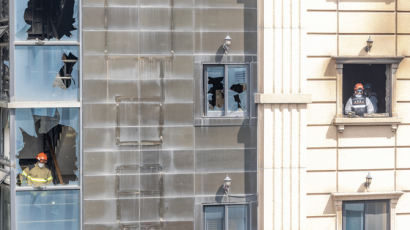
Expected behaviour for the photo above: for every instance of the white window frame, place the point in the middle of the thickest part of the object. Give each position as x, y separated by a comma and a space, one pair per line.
225, 113
392, 64
339, 198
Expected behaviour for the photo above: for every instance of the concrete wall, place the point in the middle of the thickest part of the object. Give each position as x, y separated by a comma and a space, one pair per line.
335, 162
153, 50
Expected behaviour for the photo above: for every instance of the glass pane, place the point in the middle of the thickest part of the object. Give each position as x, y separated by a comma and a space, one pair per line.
377, 215
238, 90
238, 217
353, 216
46, 73
39, 210
54, 132
214, 217
43, 19
215, 91
4, 207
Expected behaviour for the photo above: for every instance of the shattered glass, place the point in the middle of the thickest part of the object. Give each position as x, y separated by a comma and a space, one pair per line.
53, 131
43, 19
215, 90
238, 89
46, 73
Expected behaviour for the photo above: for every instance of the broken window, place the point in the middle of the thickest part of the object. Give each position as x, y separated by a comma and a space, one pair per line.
4, 50
43, 19
377, 88
226, 90
54, 132
46, 73
53, 209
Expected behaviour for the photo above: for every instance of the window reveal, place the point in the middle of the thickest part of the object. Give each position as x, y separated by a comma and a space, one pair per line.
376, 81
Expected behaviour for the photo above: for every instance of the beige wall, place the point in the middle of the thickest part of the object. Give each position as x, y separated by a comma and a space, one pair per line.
340, 161
335, 162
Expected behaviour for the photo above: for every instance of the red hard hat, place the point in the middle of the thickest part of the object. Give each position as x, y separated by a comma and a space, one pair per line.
358, 86
41, 157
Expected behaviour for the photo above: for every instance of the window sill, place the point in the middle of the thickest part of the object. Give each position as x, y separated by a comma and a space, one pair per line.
224, 121
341, 122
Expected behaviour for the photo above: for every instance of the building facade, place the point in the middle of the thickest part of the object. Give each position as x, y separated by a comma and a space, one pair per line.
313, 157
144, 110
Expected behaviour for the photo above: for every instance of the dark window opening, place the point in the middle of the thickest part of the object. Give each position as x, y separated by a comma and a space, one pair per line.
4, 49
64, 77
374, 75
49, 19
58, 142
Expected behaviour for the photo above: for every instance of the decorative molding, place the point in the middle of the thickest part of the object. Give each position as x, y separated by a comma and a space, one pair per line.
338, 199
341, 122
262, 98
368, 59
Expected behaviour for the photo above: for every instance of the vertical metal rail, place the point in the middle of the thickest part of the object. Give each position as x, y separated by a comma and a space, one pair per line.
80, 89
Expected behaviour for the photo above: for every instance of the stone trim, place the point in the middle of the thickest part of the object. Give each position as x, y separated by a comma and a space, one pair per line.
341, 122
269, 98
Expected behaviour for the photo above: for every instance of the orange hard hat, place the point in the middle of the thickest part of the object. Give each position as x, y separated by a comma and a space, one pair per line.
358, 86
41, 157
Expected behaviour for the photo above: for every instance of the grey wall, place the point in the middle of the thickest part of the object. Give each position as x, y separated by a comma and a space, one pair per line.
145, 58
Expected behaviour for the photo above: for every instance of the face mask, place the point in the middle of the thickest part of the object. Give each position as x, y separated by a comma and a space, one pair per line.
41, 165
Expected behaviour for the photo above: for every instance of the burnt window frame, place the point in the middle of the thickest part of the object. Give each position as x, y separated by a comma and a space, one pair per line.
392, 64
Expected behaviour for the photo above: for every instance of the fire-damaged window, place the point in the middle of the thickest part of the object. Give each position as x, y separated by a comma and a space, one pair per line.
46, 73
47, 146
226, 90
4, 50
44, 19
367, 90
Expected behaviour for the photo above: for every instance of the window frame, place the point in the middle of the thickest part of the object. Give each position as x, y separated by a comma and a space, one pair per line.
200, 120
226, 213
392, 197
12, 105
392, 64
364, 202
225, 113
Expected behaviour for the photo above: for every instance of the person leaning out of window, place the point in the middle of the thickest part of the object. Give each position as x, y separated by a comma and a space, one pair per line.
358, 104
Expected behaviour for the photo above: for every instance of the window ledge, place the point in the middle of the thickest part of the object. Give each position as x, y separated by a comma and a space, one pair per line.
224, 121
40, 104
341, 122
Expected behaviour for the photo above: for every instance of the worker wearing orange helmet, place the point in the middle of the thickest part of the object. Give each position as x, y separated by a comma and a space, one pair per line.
39, 175
358, 104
